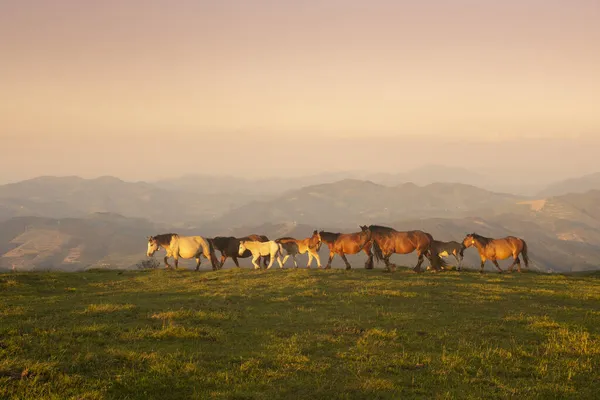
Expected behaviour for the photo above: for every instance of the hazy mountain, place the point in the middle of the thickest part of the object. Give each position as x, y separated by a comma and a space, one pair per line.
425, 175
574, 185
352, 202
60, 197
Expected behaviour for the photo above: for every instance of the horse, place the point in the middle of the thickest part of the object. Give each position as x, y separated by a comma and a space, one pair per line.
348, 243
444, 249
229, 247
497, 249
387, 241
258, 249
182, 247
293, 247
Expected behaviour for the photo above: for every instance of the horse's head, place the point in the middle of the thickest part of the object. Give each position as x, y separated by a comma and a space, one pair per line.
467, 242
153, 246
242, 248
316, 240
364, 230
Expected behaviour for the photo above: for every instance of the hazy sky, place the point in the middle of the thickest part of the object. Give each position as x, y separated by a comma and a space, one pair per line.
148, 89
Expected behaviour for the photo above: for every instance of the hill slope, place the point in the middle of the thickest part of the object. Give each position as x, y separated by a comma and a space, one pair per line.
352, 202
298, 334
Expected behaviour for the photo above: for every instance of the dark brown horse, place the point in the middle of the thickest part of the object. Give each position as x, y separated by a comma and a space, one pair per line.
348, 243
229, 247
387, 241
498, 249
445, 249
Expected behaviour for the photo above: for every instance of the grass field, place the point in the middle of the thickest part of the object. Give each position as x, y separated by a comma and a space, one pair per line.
241, 334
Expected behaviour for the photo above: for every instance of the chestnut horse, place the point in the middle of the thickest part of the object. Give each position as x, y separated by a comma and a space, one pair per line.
387, 241
294, 247
348, 243
498, 249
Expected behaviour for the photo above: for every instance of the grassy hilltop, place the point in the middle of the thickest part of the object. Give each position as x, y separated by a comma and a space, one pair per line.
298, 334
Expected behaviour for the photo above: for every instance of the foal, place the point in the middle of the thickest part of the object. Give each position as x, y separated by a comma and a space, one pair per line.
258, 249
294, 247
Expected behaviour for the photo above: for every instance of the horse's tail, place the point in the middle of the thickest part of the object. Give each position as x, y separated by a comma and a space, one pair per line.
524, 252
377, 250
213, 256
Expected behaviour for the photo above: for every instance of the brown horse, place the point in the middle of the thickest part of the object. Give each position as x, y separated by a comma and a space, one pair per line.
294, 247
387, 241
348, 243
498, 249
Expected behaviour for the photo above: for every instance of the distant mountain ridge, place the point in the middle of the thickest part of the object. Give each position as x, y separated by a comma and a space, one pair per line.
77, 197
575, 185
354, 202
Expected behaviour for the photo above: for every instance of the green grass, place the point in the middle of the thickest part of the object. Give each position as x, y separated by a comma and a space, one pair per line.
241, 334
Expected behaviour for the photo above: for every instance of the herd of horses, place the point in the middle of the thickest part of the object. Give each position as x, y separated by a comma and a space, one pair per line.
376, 241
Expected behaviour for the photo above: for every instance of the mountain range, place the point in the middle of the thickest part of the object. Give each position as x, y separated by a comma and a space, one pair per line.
73, 223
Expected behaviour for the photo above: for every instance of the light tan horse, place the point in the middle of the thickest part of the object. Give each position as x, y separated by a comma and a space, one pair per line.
294, 247
182, 247
349, 243
498, 249
258, 249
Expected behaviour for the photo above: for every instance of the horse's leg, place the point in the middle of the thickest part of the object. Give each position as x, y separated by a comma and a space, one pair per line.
279, 261
331, 255
223, 258
420, 259
389, 267
310, 258
458, 260
295, 261
285, 258
482, 265
265, 260
510, 268
166, 263
176, 261
235, 260
369, 262
316, 256
254, 258
271, 259
497, 265
198, 261
518, 262
348, 266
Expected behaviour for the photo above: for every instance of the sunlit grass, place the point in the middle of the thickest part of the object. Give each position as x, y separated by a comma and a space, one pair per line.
298, 334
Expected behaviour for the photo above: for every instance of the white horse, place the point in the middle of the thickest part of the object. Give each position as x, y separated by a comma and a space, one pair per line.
182, 247
259, 249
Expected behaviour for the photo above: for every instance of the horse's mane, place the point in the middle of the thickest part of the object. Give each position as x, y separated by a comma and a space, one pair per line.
329, 236
164, 238
482, 239
285, 238
381, 229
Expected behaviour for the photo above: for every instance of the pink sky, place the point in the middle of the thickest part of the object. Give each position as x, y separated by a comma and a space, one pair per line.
142, 76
